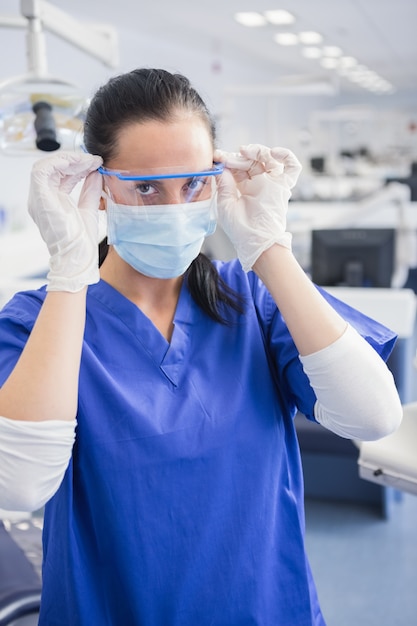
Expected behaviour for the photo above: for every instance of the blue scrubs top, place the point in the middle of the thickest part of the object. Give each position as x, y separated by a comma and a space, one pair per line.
183, 502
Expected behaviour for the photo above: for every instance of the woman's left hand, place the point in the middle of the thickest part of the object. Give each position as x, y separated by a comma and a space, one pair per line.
253, 195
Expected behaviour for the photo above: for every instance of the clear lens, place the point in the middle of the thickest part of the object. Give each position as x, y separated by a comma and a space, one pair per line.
161, 186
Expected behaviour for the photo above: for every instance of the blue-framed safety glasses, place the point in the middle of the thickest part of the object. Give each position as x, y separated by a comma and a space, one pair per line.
157, 186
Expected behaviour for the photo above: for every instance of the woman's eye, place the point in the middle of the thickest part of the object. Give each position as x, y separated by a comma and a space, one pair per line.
145, 189
196, 184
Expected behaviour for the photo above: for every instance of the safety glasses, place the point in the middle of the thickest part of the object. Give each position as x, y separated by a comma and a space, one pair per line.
158, 186
163, 173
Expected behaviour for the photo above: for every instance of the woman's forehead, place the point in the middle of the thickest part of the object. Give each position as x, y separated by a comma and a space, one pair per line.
184, 142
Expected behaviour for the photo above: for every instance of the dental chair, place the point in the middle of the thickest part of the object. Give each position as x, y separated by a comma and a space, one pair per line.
20, 585
392, 461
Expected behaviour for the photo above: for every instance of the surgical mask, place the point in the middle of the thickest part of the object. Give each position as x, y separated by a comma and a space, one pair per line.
160, 241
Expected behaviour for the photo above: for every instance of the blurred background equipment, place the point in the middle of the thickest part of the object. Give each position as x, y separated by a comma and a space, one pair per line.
39, 111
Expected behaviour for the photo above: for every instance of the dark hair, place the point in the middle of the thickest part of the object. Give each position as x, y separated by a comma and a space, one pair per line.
155, 94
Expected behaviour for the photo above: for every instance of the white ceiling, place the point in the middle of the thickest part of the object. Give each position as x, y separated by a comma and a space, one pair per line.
381, 34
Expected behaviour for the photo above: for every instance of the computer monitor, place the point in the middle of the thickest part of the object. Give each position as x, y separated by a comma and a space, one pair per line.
353, 257
410, 180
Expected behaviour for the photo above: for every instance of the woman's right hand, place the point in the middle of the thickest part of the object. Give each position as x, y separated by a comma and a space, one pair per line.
69, 230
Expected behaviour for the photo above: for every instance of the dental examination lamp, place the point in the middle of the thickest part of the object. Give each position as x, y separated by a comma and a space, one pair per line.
39, 111
45, 127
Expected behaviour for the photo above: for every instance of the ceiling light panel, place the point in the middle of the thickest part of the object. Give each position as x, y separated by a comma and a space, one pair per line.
250, 19
329, 63
286, 39
279, 17
332, 51
310, 37
311, 52
348, 62
328, 56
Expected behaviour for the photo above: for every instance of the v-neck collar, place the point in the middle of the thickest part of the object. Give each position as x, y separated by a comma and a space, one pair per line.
168, 356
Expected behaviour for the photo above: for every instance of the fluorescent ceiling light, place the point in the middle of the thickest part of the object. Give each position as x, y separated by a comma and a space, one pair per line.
355, 78
370, 77
311, 52
286, 39
347, 62
250, 18
279, 17
329, 57
332, 51
310, 37
329, 63
384, 84
360, 70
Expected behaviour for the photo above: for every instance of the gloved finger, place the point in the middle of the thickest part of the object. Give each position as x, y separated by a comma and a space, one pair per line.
65, 170
262, 156
226, 188
232, 160
78, 169
253, 159
292, 166
90, 193
241, 167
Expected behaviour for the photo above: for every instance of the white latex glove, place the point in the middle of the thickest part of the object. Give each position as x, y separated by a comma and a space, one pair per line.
69, 231
253, 194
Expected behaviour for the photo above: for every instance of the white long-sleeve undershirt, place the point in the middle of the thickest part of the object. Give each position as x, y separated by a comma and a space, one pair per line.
356, 398
356, 393
33, 460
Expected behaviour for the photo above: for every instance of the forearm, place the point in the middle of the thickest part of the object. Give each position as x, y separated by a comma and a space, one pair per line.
44, 383
312, 322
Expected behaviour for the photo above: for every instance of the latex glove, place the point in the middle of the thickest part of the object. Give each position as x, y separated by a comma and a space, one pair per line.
69, 231
253, 194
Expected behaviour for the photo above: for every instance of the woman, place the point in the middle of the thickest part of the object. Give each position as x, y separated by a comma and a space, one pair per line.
150, 405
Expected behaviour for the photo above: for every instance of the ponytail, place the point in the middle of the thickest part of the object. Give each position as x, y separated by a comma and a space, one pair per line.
210, 291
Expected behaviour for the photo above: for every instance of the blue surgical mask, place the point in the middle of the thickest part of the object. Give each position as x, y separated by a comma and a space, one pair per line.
160, 241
